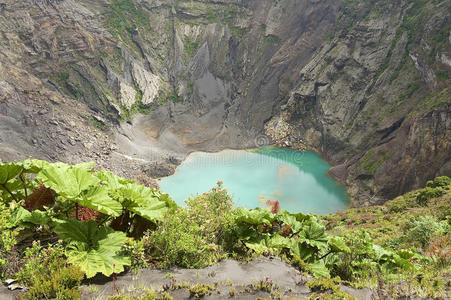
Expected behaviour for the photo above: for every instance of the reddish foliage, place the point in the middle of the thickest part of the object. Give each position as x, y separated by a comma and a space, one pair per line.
40, 197
286, 231
440, 247
86, 214
273, 205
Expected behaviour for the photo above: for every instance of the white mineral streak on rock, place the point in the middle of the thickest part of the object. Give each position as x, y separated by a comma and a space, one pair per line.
128, 95
147, 82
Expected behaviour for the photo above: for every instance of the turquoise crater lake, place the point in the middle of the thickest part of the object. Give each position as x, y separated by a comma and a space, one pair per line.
299, 180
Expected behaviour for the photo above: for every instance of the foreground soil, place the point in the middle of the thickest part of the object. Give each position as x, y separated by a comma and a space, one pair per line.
231, 279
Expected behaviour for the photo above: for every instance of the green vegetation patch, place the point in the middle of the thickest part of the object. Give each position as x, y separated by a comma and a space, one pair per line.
434, 101
191, 46
123, 19
416, 225
372, 160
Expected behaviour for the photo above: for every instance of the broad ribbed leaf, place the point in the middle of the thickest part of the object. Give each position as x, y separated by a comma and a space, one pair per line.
72, 230
23, 217
17, 216
259, 245
293, 220
67, 181
79, 185
314, 234
254, 216
14, 186
142, 201
97, 198
337, 244
94, 250
9, 172
38, 217
111, 180
34, 166
305, 252
93, 261
381, 253
153, 212
279, 242
132, 195
318, 269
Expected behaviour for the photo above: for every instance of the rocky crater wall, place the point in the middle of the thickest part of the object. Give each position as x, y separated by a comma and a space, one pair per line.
364, 83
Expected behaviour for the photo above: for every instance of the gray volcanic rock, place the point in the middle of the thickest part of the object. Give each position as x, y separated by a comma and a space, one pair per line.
365, 84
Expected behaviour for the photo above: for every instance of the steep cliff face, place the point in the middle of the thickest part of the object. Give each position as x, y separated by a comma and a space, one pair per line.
365, 83
375, 98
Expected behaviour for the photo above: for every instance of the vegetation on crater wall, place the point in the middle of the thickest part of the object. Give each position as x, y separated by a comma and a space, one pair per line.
415, 15
124, 18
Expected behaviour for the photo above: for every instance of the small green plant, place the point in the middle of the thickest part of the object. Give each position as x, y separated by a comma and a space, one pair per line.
166, 296
191, 46
327, 289
179, 241
201, 290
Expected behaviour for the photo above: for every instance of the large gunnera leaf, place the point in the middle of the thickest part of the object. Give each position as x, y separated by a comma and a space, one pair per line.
79, 185
318, 269
111, 180
23, 217
314, 234
146, 202
255, 216
9, 181
94, 250
337, 244
97, 198
9, 172
67, 181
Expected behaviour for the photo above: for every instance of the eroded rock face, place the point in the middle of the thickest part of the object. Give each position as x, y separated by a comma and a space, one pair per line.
362, 84
370, 101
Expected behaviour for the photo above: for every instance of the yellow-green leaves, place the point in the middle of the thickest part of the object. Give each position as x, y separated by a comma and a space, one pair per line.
93, 249
142, 201
78, 184
67, 181
9, 172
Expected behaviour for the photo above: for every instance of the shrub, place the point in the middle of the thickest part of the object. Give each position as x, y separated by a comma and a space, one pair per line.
428, 193
424, 229
398, 205
434, 188
7, 239
440, 249
442, 181
212, 212
135, 250
358, 262
327, 289
192, 237
47, 274
180, 241
148, 295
